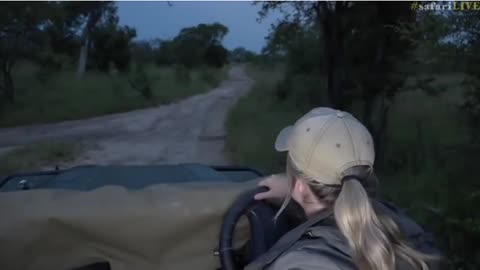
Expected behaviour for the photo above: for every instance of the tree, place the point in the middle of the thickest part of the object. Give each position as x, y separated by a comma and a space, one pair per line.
463, 32
65, 22
19, 27
201, 44
242, 55
216, 56
301, 46
112, 43
143, 51
203, 34
165, 53
90, 14
363, 52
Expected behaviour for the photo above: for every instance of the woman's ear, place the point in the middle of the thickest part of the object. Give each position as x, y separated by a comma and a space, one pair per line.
299, 188
303, 191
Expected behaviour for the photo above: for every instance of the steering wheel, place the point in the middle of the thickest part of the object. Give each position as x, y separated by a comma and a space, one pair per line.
263, 230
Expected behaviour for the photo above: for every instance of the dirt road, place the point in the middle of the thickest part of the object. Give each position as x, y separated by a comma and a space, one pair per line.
191, 130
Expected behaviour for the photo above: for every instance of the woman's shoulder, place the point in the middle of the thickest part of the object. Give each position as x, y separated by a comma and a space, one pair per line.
414, 233
406, 224
310, 258
321, 248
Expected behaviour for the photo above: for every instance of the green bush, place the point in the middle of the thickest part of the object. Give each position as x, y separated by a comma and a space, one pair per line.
141, 83
182, 74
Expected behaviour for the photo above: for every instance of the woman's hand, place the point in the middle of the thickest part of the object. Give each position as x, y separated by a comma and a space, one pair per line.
277, 185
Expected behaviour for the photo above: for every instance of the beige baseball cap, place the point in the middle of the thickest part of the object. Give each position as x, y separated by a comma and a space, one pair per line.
325, 142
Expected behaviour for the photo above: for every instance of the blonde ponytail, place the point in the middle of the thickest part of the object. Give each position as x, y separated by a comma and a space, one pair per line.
359, 224
375, 240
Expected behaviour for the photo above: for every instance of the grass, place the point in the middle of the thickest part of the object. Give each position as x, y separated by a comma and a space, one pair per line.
37, 156
50, 96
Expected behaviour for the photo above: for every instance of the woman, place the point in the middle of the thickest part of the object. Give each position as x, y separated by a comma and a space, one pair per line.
330, 175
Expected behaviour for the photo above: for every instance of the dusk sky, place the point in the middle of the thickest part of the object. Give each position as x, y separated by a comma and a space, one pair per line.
158, 20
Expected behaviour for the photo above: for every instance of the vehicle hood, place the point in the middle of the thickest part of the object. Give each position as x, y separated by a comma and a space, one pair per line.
161, 226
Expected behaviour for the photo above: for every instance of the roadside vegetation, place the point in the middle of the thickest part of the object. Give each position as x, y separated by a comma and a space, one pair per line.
53, 96
420, 102
71, 60
39, 156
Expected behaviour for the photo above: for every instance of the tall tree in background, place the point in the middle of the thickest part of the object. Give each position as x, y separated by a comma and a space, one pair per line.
112, 44
193, 43
65, 22
90, 15
463, 28
195, 46
364, 56
241, 55
300, 45
19, 27
49, 33
378, 66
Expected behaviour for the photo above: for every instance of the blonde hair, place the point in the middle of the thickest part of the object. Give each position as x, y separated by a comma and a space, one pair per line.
375, 239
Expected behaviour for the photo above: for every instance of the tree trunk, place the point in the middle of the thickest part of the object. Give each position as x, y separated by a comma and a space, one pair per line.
335, 71
334, 35
374, 101
380, 134
368, 105
82, 61
420, 148
92, 21
8, 85
331, 51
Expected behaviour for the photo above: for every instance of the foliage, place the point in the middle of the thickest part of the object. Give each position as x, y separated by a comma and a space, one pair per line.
356, 47
143, 51
112, 44
301, 46
165, 54
242, 55
463, 26
471, 107
52, 33
195, 46
65, 22
454, 46
140, 82
19, 24
216, 56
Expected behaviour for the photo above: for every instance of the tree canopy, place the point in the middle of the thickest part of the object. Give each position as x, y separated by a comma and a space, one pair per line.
195, 46
52, 32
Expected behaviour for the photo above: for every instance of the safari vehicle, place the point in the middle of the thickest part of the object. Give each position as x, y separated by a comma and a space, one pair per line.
135, 217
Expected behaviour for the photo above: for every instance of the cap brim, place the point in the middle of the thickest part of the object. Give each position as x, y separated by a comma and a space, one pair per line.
281, 143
